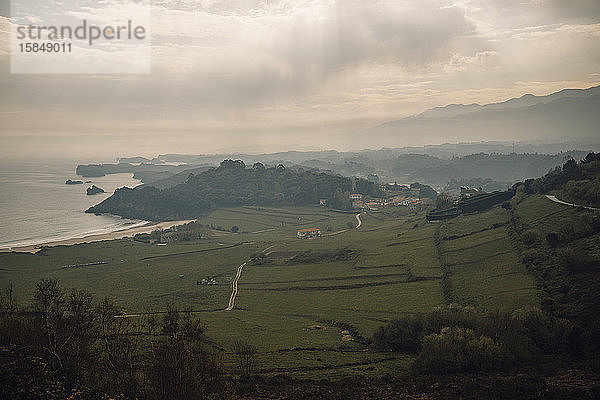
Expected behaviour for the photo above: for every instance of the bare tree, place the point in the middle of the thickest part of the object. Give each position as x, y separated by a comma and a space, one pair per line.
246, 357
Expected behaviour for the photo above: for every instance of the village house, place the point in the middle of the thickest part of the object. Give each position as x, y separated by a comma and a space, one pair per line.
373, 205
358, 204
308, 233
355, 196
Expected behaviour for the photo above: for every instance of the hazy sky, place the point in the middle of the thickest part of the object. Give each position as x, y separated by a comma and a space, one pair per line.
263, 75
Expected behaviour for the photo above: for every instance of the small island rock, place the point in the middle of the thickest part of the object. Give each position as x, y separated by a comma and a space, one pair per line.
70, 182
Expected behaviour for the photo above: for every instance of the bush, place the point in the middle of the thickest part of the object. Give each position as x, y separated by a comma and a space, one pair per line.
457, 350
530, 237
553, 239
529, 256
456, 339
549, 335
406, 334
400, 335
575, 261
451, 315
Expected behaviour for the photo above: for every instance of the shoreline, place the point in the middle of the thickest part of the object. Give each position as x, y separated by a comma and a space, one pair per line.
98, 237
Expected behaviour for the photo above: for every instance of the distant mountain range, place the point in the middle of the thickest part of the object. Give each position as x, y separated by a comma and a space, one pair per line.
566, 123
564, 115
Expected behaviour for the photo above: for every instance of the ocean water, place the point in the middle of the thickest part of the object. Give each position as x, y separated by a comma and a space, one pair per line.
37, 207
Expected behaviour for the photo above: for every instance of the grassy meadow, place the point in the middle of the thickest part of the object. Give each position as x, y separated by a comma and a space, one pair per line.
294, 306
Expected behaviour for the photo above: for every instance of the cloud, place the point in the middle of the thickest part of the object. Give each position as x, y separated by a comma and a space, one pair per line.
316, 65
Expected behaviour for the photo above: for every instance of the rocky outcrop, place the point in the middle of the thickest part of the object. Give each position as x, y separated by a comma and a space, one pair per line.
94, 190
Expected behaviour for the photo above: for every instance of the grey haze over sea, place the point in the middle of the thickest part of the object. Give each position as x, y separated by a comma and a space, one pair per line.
37, 207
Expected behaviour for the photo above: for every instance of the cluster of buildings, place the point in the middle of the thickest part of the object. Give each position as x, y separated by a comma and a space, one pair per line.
206, 281
308, 233
396, 196
466, 191
408, 199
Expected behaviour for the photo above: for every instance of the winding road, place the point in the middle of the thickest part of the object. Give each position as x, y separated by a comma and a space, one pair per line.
359, 221
346, 230
554, 199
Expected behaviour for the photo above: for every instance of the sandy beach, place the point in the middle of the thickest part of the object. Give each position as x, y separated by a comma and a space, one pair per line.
120, 234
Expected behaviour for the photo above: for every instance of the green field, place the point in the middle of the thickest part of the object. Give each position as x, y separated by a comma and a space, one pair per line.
294, 311
484, 265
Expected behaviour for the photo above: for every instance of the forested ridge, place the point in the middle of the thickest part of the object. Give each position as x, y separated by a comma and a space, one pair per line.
232, 184
578, 182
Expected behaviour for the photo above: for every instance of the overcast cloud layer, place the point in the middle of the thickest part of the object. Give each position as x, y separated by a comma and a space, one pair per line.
278, 74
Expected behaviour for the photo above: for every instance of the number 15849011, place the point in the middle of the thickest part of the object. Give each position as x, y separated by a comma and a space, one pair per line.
45, 47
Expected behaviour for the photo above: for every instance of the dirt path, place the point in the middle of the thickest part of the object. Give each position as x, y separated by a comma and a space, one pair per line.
554, 199
234, 285
263, 230
346, 230
359, 221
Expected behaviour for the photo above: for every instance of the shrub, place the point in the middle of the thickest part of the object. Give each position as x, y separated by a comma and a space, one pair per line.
451, 315
530, 236
517, 198
457, 350
553, 239
575, 261
529, 256
400, 335
550, 335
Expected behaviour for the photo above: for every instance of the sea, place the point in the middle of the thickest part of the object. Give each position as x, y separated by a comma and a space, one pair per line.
37, 207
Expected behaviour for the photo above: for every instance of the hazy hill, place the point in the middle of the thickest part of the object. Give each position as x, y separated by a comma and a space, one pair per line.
498, 167
524, 101
568, 113
230, 185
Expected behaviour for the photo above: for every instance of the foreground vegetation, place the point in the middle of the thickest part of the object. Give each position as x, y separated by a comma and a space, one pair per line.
71, 346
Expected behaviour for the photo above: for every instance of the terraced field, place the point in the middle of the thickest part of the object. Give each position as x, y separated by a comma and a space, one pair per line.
295, 305
484, 266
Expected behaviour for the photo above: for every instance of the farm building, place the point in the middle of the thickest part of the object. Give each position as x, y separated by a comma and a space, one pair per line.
357, 204
308, 233
373, 205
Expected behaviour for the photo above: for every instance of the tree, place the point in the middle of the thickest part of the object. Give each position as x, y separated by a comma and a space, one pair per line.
67, 327
246, 357
180, 372
171, 321
119, 350
442, 201
341, 200
235, 228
